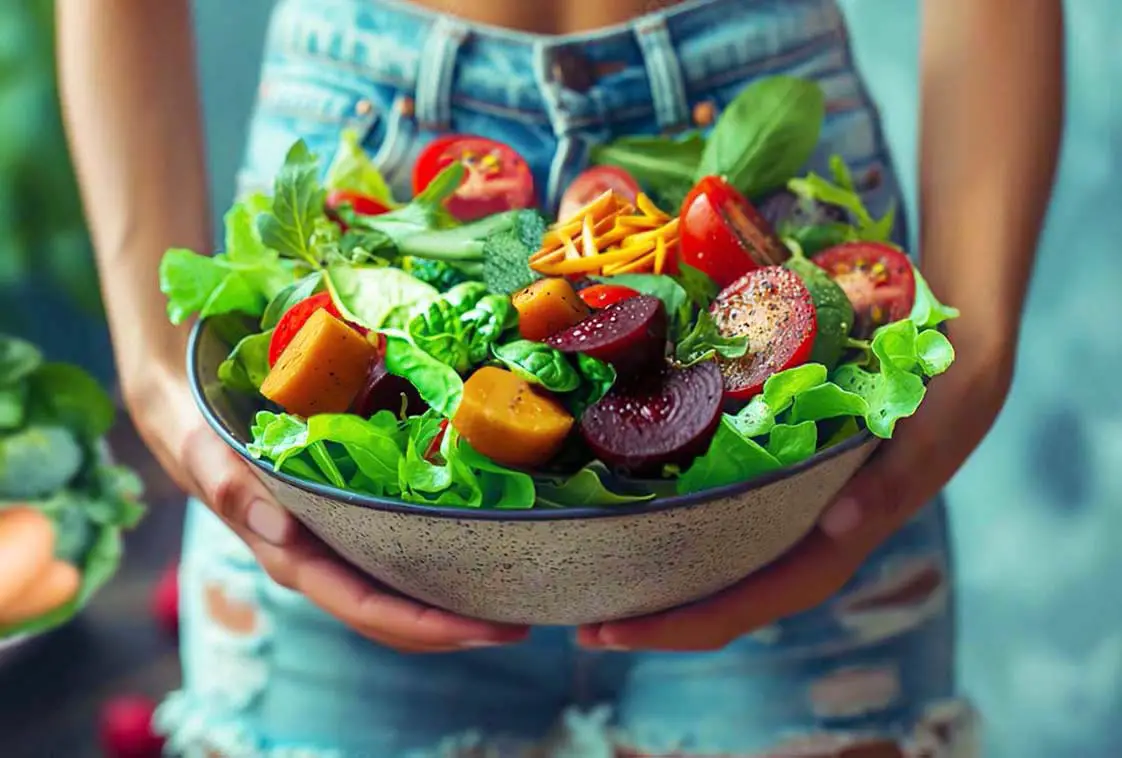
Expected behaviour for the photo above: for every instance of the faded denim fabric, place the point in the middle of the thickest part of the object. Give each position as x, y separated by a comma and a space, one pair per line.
266, 674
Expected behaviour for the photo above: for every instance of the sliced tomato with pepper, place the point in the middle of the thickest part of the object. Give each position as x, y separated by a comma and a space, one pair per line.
772, 308
497, 178
723, 235
878, 279
600, 296
592, 184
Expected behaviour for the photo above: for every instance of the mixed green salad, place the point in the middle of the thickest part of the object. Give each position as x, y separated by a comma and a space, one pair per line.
54, 467
698, 314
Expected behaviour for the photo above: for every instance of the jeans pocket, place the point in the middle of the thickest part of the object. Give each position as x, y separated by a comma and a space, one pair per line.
316, 104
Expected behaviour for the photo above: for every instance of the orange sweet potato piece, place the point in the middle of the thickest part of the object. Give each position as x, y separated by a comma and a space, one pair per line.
547, 307
506, 419
322, 369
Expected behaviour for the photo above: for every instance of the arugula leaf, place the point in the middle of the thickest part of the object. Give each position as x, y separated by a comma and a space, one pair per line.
928, 312
425, 213
248, 363
298, 200
705, 342
352, 169
765, 135
539, 364
367, 295
658, 162
585, 489
843, 194
731, 458
437, 383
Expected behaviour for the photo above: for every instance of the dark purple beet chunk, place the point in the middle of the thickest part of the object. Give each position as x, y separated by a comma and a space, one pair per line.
630, 335
383, 392
670, 418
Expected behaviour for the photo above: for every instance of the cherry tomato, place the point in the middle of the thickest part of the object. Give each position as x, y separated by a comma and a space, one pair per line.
593, 183
878, 279
772, 308
294, 318
433, 450
363, 205
600, 296
497, 178
723, 235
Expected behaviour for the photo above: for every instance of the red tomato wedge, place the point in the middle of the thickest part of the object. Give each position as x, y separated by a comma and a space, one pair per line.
772, 308
592, 184
878, 279
723, 235
600, 296
497, 178
294, 318
361, 204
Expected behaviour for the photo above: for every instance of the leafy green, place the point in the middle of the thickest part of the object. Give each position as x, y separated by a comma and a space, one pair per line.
294, 293
765, 135
826, 401
585, 489
833, 310
597, 378
437, 383
18, 359
928, 312
538, 363
842, 193
67, 396
441, 275
705, 342
352, 169
731, 458
248, 363
934, 352
367, 295
781, 389
459, 327
699, 288
297, 205
793, 443
660, 163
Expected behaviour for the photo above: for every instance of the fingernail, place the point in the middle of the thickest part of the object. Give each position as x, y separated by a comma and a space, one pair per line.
841, 518
268, 521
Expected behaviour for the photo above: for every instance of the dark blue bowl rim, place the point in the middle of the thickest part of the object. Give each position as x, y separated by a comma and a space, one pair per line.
493, 514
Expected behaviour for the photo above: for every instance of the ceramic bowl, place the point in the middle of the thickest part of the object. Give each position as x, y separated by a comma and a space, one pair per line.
548, 566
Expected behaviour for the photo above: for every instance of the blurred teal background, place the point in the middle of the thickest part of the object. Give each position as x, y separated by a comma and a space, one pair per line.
1037, 513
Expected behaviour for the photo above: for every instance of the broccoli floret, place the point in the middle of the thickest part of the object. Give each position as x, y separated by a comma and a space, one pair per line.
443, 276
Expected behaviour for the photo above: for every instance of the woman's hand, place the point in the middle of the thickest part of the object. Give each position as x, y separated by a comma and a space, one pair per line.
905, 474
203, 465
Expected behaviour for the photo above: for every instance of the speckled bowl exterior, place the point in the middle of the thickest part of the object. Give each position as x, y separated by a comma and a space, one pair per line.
547, 566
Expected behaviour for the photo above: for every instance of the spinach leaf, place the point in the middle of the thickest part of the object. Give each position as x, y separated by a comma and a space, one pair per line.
540, 364
586, 489
657, 162
597, 379
298, 200
705, 342
294, 293
731, 457
437, 383
248, 363
367, 295
460, 326
65, 395
352, 169
766, 134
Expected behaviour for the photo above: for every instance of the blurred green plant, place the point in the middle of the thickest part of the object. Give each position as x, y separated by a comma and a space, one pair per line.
42, 230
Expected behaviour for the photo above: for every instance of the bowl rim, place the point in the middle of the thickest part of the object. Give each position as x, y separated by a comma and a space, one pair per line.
229, 436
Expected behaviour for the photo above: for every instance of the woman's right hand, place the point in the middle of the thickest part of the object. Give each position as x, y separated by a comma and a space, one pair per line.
168, 420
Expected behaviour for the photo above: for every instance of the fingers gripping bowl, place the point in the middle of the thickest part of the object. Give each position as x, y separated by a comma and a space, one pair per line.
557, 423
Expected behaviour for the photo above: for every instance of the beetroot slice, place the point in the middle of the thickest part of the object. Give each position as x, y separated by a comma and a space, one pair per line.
383, 391
669, 418
774, 309
630, 335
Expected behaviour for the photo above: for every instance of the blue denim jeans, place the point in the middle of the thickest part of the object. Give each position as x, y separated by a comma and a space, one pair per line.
266, 674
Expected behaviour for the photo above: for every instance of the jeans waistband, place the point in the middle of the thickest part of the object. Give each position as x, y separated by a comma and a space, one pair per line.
649, 66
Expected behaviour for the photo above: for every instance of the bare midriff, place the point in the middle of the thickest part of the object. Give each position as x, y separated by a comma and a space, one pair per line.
548, 16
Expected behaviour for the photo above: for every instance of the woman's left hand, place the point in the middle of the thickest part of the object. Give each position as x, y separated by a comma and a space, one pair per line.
905, 474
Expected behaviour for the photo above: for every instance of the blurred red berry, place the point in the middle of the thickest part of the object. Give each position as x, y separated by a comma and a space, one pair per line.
126, 729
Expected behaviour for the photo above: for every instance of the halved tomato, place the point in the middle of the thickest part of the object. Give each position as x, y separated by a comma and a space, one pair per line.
600, 296
878, 279
294, 318
497, 178
772, 308
723, 235
592, 184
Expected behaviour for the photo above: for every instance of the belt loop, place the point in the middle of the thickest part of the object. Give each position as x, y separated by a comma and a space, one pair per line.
668, 85
436, 71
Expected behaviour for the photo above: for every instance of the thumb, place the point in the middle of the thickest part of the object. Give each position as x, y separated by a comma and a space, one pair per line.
228, 486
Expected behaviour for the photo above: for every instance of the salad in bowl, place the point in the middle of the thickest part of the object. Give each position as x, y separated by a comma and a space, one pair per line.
698, 322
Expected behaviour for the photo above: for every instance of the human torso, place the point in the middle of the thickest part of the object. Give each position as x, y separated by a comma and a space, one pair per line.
547, 16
